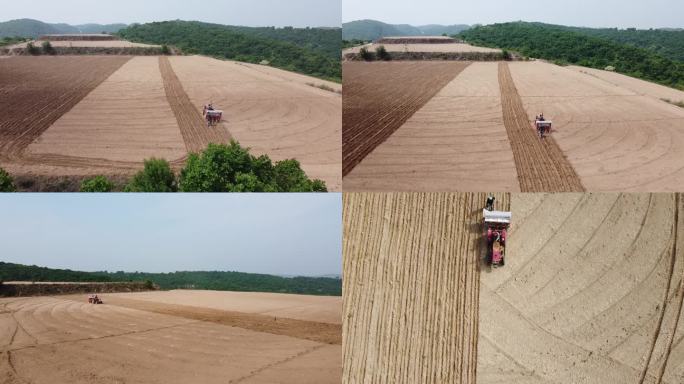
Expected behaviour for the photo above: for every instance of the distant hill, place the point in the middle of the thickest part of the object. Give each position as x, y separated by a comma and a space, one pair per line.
212, 280
564, 45
373, 29
308, 51
34, 28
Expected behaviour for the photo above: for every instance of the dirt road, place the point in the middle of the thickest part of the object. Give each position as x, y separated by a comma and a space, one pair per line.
411, 286
541, 165
379, 97
60, 340
591, 292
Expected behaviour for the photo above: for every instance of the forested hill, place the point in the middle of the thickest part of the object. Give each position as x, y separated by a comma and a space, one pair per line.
373, 29
34, 28
307, 51
665, 42
565, 46
220, 281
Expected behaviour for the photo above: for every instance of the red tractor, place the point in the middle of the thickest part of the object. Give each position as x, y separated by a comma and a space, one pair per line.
496, 224
211, 115
94, 299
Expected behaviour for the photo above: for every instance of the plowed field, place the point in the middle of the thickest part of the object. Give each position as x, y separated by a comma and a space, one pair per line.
411, 286
36, 91
591, 292
380, 97
64, 340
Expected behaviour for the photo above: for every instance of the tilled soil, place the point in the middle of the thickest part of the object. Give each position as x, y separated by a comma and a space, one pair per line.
66, 340
36, 91
193, 127
541, 165
591, 292
411, 286
379, 97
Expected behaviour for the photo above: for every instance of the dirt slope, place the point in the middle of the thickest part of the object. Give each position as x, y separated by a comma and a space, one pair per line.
591, 292
411, 282
269, 112
540, 162
615, 139
50, 340
456, 141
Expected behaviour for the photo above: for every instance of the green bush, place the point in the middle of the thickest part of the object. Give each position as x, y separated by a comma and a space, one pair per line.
6, 182
47, 48
165, 49
382, 53
506, 55
366, 54
97, 184
231, 168
157, 176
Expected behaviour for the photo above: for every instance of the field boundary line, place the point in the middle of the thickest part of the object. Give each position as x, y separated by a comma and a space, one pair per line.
277, 363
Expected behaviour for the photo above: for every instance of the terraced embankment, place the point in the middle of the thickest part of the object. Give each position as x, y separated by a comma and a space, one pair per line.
60, 340
541, 165
194, 129
411, 286
591, 292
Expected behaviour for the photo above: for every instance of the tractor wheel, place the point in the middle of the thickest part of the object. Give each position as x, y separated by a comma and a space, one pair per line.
503, 261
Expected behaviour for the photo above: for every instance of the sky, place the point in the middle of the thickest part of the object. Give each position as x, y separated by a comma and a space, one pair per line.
586, 13
253, 13
281, 234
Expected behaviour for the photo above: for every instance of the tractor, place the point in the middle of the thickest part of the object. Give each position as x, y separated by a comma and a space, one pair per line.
211, 115
496, 224
543, 127
94, 299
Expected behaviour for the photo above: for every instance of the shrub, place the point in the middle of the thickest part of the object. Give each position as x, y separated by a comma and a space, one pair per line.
149, 284
157, 176
47, 48
6, 182
97, 184
165, 49
506, 55
231, 168
32, 49
382, 53
365, 54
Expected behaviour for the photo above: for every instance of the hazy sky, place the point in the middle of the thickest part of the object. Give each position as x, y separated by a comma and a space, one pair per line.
297, 13
285, 234
589, 13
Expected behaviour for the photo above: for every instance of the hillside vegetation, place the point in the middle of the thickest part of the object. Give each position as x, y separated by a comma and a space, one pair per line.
667, 43
564, 46
373, 29
34, 28
235, 43
216, 280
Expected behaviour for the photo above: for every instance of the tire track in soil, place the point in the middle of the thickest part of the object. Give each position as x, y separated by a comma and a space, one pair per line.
540, 163
412, 266
192, 125
277, 363
380, 97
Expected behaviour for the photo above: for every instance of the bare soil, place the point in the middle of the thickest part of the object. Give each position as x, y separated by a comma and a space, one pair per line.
411, 286
380, 97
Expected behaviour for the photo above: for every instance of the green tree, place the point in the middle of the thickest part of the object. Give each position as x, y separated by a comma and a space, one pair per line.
165, 49
157, 176
382, 53
231, 168
97, 184
6, 182
366, 54
32, 49
47, 48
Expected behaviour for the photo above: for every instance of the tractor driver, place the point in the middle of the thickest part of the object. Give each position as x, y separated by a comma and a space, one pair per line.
490, 203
